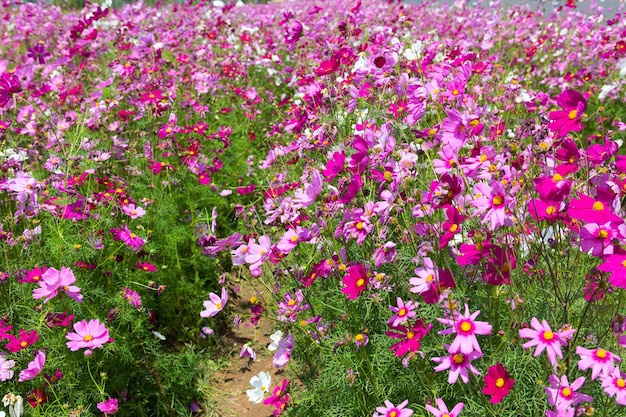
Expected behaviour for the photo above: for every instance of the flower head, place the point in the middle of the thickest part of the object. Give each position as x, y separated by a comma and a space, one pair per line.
544, 338
261, 384
614, 384
34, 367
108, 407
498, 383
215, 304
599, 360
355, 281
442, 411
390, 410
466, 329
90, 335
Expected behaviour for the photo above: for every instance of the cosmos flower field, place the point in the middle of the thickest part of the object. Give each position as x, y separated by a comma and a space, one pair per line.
426, 199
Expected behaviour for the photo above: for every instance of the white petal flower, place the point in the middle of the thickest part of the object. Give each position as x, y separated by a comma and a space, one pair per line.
276, 337
261, 384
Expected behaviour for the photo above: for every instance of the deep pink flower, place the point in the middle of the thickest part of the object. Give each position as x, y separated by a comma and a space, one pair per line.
598, 238
34, 367
411, 336
129, 238
574, 105
108, 407
466, 329
90, 335
355, 281
498, 383
451, 226
25, 339
493, 203
145, 266
544, 338
403, 312
590, 210
616, 265
9, 85
334, 166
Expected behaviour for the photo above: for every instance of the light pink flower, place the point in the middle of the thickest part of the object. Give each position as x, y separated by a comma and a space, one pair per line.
458, 364
52, 281
215, 304
545, 339
34, 367
90, 335
615, 384
599, 360
5, 367
390, 410
442, 411
133, 211
562, 394
466, 330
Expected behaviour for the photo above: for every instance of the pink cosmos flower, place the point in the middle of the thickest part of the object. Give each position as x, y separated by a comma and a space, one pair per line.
614, 384
562, 394
574, 105
25, 339
133, 211
285, 349
616, 265
34, 367
493, 203
442, 411
466, 330
451, 226
458, 364
215, 304
129, 238
52, 281
90, 335
390, 410
545, 339
598, 238
108, 407
403, 312
599, 360
5, 367
355, 281
411, 336
258, 253
334, 166
384, 254
590, 210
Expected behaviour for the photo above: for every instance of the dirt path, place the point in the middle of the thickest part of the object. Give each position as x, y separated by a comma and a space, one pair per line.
229, 386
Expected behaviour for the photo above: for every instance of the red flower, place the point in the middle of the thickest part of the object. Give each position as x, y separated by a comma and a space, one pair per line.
36, 397
411, 336
23, 341
498, 383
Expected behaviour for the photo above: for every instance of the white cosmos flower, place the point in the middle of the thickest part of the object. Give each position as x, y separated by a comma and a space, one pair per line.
276, 337
261, 384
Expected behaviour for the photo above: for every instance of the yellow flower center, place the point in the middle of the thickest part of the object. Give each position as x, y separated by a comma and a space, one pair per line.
294, 238
359, 337
388, 176
498, 200
620, 382
566, 392
603, 234
88, 338
572, 114
23, 344
429, 278
359, 226
548, 335
218, 306
601, 353
483, 158
500, 382
455, 92
360, 283
291, 303
466, 326
410, 335
402, 312
598, 206
557, 177
458, 358
550, 210
393, 414
454, 228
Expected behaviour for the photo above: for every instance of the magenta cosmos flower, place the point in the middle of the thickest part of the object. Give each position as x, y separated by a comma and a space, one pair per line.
109, 406
90, 335
411, 336
562, 394
458, 364
466, 330
442, 411
390, 410
215, 304
355, 282
544, 338
574, 105
599, 360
